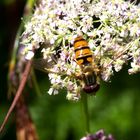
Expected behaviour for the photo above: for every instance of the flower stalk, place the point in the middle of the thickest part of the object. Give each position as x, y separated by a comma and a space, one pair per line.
86, 112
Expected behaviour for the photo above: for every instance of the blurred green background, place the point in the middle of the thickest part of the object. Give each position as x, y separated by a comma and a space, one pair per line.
116, 108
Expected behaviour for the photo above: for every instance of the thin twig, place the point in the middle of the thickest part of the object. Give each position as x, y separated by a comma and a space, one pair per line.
19, 92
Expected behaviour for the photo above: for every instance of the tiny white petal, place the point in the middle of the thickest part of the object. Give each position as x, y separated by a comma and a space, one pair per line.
50, 91
29, 55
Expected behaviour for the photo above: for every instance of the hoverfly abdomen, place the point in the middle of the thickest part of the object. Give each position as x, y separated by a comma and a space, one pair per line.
84, 59
83, 53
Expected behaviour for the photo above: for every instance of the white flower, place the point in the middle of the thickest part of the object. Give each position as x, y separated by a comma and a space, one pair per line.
54, 78
29, 55
73, 96
111, 28
52, 91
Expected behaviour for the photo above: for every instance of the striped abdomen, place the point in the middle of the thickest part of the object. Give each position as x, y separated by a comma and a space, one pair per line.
82, 51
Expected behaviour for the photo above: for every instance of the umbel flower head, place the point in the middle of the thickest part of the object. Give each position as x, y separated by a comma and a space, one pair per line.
111, 28
99, 135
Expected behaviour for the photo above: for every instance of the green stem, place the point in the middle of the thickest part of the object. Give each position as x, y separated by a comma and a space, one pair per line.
35, 84
86, 111
27, 12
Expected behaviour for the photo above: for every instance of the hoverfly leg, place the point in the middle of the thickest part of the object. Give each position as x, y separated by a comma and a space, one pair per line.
54, 58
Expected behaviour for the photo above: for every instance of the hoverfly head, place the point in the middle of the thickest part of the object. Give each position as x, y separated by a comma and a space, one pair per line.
91, 89
90, 81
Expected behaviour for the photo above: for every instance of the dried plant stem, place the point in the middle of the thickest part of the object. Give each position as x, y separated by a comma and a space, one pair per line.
19, 92
12, 68
25, 128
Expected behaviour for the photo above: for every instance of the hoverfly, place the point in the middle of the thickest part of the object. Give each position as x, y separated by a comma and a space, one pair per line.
85, 60
88, 75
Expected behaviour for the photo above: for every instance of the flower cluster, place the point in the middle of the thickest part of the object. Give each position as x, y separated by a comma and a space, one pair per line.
98, 136
111, 28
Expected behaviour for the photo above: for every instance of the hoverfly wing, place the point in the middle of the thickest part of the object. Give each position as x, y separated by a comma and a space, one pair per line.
43, 64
